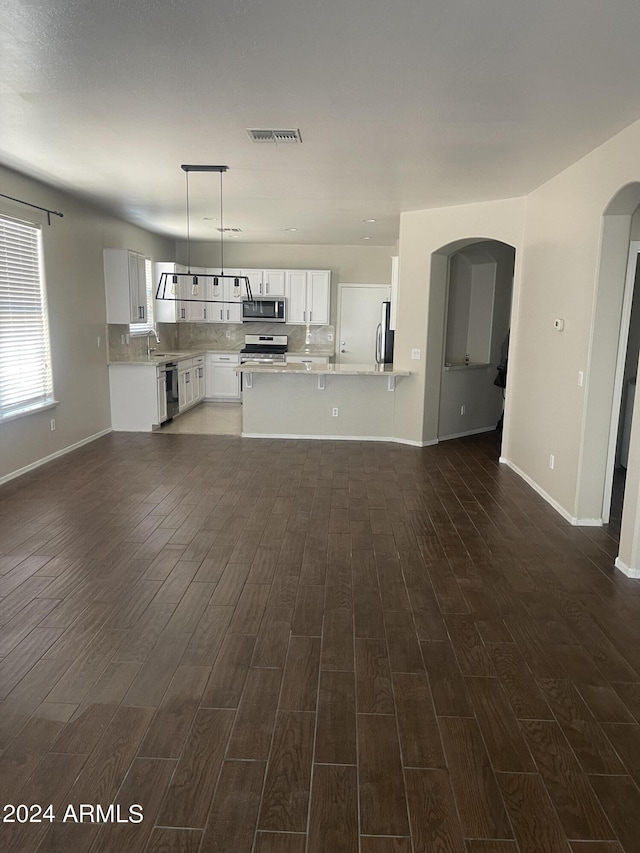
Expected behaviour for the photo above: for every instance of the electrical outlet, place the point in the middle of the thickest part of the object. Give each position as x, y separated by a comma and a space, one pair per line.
463, 409
98, 341
123, 339
552, 460
228, 333
127, 338
53, 424
334, 413
330, 337
415, 354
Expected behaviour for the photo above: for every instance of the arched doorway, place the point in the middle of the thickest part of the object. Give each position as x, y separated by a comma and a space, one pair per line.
605, 377
470, 303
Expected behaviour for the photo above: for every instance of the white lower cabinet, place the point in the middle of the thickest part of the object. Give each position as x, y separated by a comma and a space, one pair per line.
137, 404
199, 382
162, 395
222, 381
185, 384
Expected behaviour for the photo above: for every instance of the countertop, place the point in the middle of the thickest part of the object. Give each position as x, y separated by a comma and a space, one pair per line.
326, 369
165, 358
177, 355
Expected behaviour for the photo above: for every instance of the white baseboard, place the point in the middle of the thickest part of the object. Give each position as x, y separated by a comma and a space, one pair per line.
52, 456
576, 522
622, 567
338, 438
317, 437
465, 434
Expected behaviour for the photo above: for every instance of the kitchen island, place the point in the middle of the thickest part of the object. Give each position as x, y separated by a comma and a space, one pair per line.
352, 401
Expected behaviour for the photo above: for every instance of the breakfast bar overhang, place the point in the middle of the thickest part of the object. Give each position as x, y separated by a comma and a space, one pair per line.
354, 401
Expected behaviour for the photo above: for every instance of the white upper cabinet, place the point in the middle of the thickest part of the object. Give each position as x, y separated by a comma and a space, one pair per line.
125, 286
170, 309
227, 294
308, 293
266, 282
194, 290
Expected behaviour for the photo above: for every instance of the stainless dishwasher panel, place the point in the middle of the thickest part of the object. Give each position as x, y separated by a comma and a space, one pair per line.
173, 400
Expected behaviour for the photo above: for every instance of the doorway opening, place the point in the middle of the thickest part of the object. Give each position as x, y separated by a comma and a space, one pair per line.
477, 319
624, 393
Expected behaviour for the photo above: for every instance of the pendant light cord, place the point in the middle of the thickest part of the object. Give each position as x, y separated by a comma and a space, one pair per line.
221, 231
188, 227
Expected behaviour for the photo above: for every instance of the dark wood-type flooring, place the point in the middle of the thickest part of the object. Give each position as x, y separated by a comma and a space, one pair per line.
312, 647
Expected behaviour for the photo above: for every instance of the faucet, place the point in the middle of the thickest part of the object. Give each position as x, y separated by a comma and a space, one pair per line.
155, 334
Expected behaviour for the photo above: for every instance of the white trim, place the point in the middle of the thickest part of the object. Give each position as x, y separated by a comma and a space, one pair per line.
52, 456
623, 340
622, 567
337, 438
576, 522
465, 434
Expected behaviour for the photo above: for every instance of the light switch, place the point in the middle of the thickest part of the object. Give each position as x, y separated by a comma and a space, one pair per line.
558, 324
415, 354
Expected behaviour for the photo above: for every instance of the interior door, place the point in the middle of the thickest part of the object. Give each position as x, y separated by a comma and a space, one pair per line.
359, 311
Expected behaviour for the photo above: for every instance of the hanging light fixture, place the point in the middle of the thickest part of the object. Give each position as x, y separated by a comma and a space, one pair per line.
238, 280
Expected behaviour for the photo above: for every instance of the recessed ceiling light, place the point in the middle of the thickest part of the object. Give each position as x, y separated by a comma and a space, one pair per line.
369, 220
290, 229
210, 218
365, 238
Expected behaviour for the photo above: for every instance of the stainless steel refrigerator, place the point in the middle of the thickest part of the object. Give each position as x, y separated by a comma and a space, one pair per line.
384, 336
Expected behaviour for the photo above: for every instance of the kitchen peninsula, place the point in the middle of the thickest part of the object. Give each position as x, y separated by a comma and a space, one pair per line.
352, 401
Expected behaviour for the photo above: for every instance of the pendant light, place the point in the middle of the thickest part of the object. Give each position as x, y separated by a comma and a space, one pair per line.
238, 280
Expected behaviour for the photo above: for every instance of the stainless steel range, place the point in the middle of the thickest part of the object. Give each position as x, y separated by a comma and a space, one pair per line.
264, 349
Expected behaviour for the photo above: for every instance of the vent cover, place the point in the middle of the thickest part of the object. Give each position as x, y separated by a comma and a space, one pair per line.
230, 230
275, 136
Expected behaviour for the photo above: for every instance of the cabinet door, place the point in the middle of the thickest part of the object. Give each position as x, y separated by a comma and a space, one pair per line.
162, 398
225, 383
141, 284
182, 390
233, 295
166, 310
273, 282
134, 295
196, 312
200, 382
255, 281
318, 285
296, 293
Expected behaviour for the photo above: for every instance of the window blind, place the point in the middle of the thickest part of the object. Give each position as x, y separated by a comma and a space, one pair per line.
25, 363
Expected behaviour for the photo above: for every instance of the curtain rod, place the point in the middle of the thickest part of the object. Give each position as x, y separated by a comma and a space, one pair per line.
37, 207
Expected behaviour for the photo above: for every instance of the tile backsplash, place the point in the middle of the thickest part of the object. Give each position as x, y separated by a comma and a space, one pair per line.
216, 336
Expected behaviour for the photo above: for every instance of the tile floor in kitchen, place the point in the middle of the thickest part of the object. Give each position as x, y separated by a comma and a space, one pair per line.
207, 419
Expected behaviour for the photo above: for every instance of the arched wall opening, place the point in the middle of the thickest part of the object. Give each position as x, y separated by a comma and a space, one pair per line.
608, 344
464, 405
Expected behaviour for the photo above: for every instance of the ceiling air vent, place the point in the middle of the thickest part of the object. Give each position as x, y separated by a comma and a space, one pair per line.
275, 136
230, 230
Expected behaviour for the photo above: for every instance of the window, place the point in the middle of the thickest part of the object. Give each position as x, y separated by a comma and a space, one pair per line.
143, 328
25, 355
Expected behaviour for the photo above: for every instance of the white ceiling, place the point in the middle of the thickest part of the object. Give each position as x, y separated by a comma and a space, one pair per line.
402, 105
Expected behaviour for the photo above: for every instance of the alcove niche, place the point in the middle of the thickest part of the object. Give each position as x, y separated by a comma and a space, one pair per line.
470, 307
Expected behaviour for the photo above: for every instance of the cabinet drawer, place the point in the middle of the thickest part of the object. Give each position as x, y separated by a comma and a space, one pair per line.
224, 358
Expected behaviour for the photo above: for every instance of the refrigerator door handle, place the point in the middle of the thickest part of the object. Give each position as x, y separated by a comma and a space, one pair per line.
378, 343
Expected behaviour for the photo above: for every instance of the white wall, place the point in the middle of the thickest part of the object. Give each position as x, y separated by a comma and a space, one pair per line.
570, 260
72, 248
427, 238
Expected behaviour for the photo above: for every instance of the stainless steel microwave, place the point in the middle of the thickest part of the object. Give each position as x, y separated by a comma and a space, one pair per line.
264, 310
